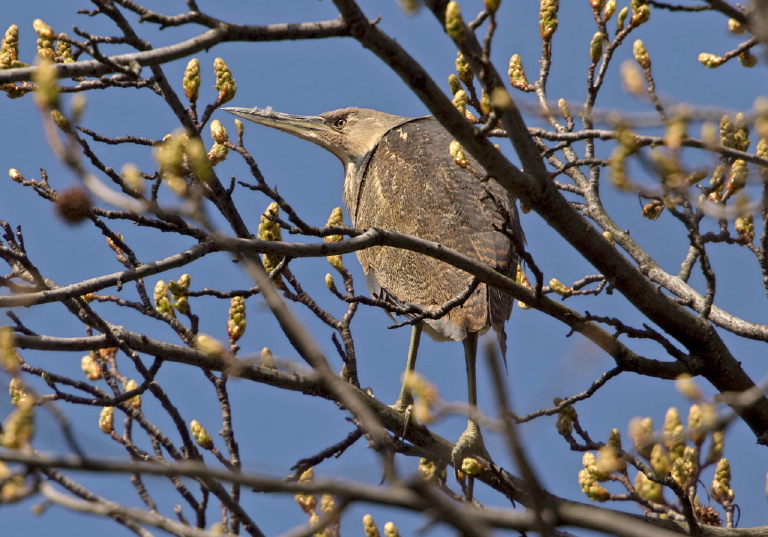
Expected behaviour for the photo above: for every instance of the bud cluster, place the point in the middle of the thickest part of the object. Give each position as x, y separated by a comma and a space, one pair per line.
675, 452
19, 427
308, 503
454, 25
225, 84
236, 320
335, 219
548, 18
269, 230
517, 73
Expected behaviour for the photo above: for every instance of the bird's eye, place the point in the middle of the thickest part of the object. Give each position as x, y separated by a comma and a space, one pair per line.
339, 123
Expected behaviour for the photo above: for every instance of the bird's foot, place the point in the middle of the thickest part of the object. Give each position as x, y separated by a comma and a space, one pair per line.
470, 445
404, 405
464, 456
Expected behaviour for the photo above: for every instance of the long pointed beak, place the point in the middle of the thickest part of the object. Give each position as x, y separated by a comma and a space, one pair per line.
309, 128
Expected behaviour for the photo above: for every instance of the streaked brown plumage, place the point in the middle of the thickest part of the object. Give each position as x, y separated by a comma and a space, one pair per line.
400, 176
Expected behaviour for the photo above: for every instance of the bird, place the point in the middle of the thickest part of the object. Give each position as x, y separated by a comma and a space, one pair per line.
401, 176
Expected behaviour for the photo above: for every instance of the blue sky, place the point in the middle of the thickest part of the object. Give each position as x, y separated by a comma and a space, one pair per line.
275, 429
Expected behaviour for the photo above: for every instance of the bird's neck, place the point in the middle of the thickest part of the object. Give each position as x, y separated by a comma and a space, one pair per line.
354, 182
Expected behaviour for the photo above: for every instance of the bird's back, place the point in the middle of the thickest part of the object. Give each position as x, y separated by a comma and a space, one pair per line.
412, 185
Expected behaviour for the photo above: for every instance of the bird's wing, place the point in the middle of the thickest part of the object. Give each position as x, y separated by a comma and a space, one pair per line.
412, 185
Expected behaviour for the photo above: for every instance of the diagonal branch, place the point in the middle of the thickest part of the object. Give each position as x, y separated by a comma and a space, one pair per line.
535, 188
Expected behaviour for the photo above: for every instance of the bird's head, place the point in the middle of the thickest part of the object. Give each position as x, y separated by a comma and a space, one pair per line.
349, 133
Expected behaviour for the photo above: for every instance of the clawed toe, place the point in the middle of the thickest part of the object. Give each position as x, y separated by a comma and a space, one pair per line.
470, 444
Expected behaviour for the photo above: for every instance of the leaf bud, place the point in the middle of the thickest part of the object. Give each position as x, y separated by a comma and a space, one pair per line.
737, 179
648, 489
621, 19
453, 83
471, 466
652, 210
716, 445
90, 367
225, 84
236, 320
548, 18
191, 81
209, 345
200, 435
596, 47
107, 419
745, 227
673, 433
463, 69
268, 359
747, 59
591, 488
454, 25
641, 433
390, 530
610, 9
641, 54
711, 61
735, 27
162, 299
369, 527
517, 73
134, 401
721, 484
688, 387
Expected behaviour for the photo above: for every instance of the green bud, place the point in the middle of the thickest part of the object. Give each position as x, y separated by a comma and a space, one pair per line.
471, 466
463, 69
200, 435
747, 59
621, 19
517, 73
641, 54
209, 345
454, 25
268, 359
107, 419
191, 81
648, 489
610, 9
721, 484
134, 401
641, 433
225, 84
548, 18
711, 61
453, 83
596, 47
369, 527
236, 320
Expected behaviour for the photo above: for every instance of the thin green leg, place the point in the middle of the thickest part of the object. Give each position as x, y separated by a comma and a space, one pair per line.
470, 357
471, 440
406, 399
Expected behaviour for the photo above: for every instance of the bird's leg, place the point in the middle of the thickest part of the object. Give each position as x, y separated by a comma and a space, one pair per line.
406, 398
470, 442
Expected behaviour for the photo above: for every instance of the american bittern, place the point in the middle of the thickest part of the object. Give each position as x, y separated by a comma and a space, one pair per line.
400, 176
